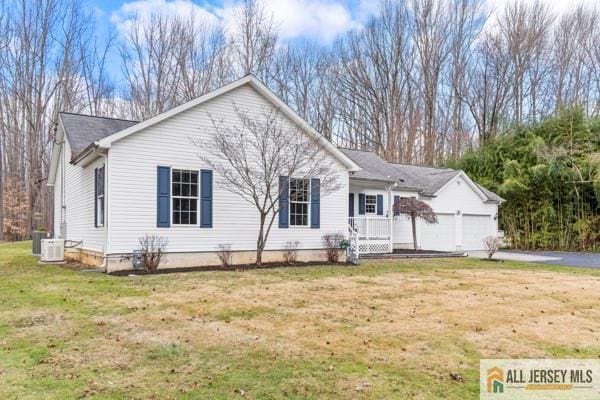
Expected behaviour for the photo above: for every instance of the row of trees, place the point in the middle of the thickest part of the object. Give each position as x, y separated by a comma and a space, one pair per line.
423, 81
549, 174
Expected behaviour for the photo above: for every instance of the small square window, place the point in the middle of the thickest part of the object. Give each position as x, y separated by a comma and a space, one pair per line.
370, 204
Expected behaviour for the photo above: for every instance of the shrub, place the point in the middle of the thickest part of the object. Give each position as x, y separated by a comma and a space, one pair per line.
492, 245
225, 254
332, 243
290, 253
152, 249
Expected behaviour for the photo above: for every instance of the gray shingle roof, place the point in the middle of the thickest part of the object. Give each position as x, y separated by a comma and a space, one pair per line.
490, 195
83, 130
426, 179
373, 167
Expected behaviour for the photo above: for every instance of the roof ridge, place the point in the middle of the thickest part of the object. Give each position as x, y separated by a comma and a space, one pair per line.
364, 151
398, 162
98, 116
422, 166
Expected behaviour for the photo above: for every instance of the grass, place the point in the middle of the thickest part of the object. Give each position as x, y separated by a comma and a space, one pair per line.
379, 330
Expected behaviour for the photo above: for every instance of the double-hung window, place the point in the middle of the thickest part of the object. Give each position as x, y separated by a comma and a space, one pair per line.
184, 197
99, 196
370, 204
299, 202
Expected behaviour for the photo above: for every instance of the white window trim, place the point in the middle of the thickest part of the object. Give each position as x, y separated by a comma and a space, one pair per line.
307, 202
375, 209
184, 197
100, 213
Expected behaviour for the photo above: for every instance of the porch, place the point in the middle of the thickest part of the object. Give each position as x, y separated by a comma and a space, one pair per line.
370, 235
373, 229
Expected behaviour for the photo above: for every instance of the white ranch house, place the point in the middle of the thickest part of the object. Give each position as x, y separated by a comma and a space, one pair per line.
117, 180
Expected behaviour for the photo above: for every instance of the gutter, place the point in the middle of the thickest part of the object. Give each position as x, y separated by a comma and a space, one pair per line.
91, 148
106, 213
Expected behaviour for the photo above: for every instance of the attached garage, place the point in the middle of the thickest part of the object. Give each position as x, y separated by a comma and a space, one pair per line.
440, 236
475, 228
467, 212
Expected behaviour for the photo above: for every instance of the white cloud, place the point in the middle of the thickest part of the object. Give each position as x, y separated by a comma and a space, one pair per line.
143, 9
315, 19
322, 20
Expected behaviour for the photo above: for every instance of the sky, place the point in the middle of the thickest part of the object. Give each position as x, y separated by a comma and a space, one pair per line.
319, 20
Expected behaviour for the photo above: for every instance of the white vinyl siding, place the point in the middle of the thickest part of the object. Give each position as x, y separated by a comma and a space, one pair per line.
133, 161
79, 203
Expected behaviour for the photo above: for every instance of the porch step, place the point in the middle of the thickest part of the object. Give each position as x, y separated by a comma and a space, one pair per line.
388, 256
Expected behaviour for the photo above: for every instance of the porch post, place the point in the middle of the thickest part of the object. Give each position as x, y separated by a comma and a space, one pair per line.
391, 216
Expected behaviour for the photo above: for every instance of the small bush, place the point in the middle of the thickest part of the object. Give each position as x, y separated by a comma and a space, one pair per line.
152, 249
492, 245
225, 254
332, 243
290, 253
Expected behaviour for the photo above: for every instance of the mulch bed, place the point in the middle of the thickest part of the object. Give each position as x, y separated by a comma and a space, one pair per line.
241, 267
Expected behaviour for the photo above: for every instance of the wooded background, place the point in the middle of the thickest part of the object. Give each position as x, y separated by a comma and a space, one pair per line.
424, 81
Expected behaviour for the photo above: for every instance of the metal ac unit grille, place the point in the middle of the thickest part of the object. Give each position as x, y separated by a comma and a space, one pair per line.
53, 250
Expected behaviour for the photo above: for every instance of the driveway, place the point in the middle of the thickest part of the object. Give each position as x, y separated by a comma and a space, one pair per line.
584, 260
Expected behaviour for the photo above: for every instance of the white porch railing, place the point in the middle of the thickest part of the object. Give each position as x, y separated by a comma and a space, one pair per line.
371, 227
373, 234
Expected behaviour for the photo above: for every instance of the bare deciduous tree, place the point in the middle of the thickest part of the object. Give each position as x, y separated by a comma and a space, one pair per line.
250, 156
149, 65
254, 39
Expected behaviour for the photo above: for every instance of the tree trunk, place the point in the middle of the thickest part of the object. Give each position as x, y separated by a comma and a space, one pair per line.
258, 256
413, 220
260, 242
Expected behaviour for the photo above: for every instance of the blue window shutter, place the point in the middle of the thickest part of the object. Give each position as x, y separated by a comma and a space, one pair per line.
96, 197
284, 189
379, 204
361, 204
163, 197
351, 204
206, 198
396, 200
315, 203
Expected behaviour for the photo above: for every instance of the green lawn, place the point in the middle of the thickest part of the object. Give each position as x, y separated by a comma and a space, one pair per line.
379, 330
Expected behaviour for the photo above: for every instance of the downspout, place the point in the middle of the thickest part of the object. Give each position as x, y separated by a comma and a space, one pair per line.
62, 226
391, 214
106, 213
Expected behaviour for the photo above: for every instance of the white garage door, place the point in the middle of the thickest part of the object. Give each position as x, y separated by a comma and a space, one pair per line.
475, 229
440, 236
402, 229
